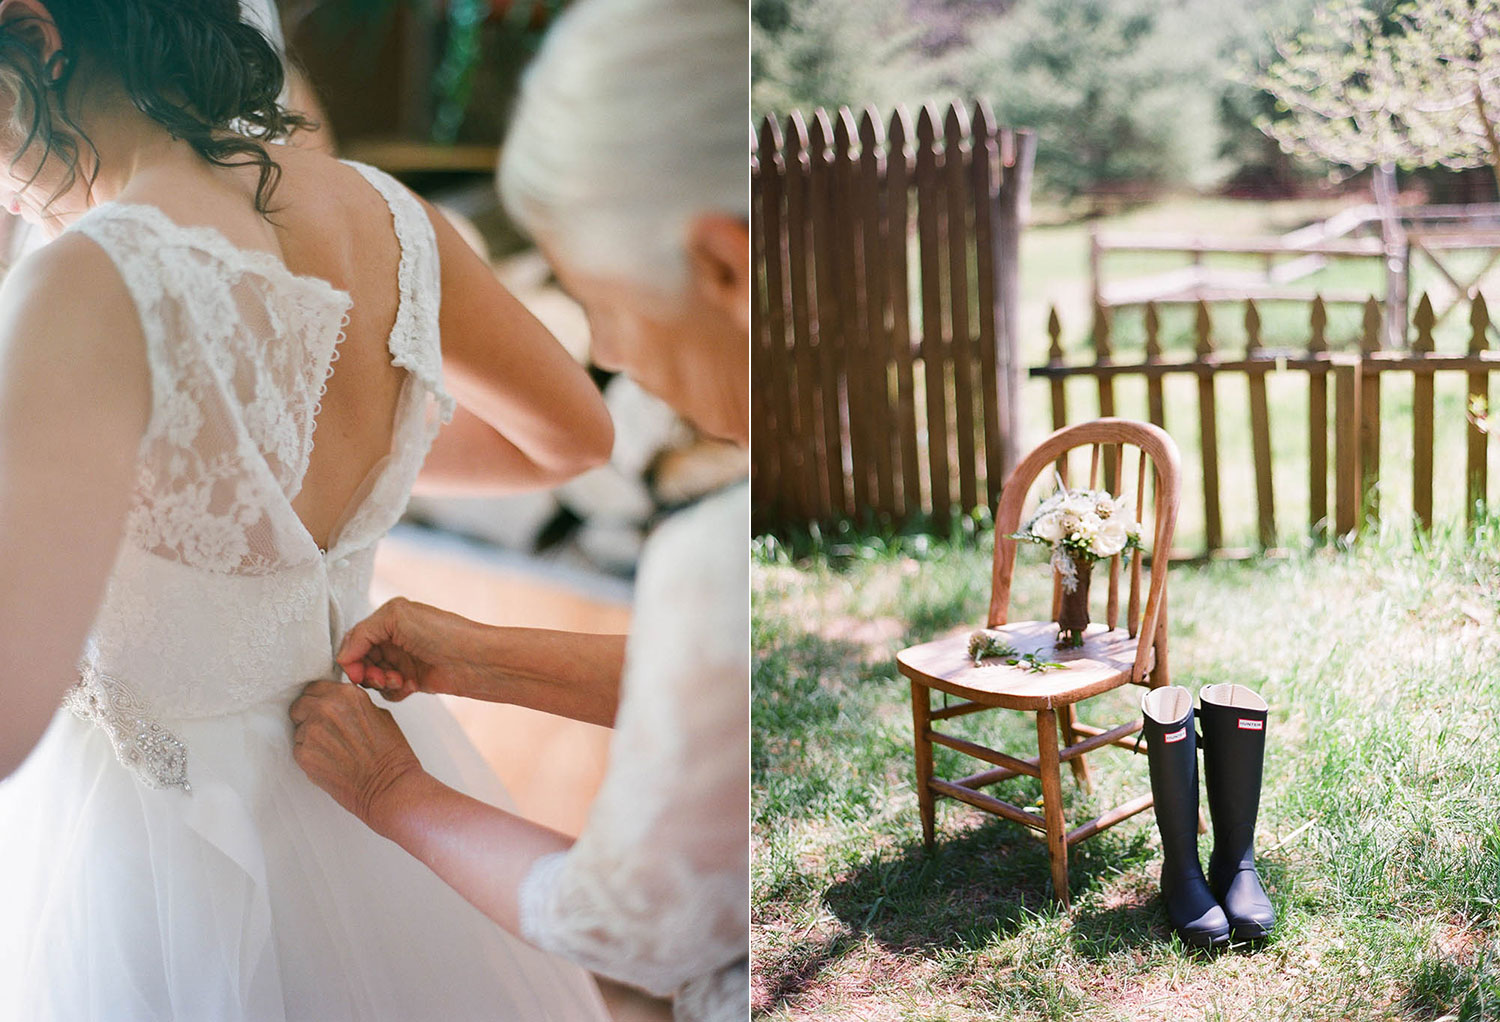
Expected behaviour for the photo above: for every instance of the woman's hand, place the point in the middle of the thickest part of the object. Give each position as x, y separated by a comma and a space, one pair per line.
351, 748
407, 647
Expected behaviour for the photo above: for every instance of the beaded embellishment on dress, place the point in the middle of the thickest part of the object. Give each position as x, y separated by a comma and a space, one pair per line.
142, 744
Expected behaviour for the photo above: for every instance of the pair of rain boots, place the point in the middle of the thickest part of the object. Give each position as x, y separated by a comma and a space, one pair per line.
1229, 902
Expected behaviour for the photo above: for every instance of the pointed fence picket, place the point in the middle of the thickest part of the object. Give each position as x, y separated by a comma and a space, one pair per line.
1356, 424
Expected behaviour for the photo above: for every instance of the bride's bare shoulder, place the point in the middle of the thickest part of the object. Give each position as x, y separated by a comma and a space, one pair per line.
70, 281
69, 331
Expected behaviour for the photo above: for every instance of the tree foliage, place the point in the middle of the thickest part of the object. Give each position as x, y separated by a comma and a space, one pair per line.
1113, 88
1117, 90
830, 53
1417, 88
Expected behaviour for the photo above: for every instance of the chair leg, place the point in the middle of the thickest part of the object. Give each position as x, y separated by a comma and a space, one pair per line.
1080, 765
921, 723
1048, 767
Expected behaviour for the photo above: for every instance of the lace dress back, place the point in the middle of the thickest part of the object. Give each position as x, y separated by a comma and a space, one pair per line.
221, 598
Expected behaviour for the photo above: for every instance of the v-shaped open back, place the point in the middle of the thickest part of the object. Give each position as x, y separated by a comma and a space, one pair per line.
241, 352
363, 394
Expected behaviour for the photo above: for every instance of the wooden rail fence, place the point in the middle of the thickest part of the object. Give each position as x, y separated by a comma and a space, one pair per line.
1350, 380
884, 325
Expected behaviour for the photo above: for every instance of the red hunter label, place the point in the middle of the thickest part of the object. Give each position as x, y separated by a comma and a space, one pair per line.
1175, 736
1252, 725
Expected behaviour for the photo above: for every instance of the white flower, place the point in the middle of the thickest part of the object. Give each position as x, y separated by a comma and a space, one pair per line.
1111, 538
1048, 527
1087, 528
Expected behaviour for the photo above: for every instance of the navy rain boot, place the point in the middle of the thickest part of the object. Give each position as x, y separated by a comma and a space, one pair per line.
1172, 749
1234, 750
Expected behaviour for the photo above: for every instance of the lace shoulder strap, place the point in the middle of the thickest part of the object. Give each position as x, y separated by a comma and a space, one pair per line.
415, 340
125, 233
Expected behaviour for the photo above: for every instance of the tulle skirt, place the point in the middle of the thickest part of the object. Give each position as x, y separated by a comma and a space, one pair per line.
255, 897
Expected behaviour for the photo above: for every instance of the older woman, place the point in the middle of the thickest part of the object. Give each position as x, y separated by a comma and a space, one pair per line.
626, 162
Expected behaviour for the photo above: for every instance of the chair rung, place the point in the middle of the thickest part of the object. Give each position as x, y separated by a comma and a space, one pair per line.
987, 777
1000, 759
979, 800
1114, 736
1104, 821
1118, 736
957, 710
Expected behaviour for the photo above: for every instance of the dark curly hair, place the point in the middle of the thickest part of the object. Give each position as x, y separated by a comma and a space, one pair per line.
193, 66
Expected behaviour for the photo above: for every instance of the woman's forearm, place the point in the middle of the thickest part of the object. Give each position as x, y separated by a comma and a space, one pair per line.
569, 674
469, 457
507, 369
461, 840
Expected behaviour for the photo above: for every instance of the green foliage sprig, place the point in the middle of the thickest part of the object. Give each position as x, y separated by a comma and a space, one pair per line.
985, 645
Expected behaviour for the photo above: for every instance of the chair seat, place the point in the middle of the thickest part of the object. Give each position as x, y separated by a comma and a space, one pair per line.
1103, 662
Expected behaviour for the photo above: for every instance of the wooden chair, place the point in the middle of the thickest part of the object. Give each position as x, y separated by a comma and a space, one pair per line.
1110, 656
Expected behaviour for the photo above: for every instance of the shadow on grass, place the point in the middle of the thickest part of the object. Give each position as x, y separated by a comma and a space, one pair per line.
801, 969
987, 883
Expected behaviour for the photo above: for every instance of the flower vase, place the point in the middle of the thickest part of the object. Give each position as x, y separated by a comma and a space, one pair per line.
1073, 616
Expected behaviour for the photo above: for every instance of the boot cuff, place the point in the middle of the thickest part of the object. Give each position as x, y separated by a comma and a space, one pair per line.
1233, 696
1171, 704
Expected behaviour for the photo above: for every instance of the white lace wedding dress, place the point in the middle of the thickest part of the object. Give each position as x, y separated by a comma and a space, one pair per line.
161, 855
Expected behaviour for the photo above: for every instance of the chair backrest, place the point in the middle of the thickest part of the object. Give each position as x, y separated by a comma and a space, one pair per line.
1108, 439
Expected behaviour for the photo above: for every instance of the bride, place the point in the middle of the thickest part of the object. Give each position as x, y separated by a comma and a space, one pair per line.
217, 388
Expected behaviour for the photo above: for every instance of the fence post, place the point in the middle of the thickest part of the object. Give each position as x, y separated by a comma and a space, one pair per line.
830, 313
1317, 422
772, 179
877, 338
1346, 447
1012, 209
1155, 402
1059, 384
898, 199
1369, 415
762, 476
1476, 488
930, 234
1260, 431
1213, 529
997, 374
853, 336
816, 503
955, 186
1422, 441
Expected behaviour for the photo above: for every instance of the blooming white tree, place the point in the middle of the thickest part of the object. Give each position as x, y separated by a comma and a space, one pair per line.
1418, 89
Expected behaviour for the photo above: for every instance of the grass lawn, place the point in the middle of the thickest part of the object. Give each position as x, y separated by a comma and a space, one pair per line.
1379, 830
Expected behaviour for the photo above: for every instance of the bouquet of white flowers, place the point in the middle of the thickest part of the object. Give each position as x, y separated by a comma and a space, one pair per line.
1081, 527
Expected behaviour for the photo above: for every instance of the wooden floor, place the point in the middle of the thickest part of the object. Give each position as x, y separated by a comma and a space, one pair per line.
553, 767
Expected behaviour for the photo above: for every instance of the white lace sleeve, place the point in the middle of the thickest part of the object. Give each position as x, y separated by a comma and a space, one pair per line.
655, 891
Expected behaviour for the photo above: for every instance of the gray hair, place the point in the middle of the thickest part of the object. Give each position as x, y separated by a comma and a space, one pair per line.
631, 122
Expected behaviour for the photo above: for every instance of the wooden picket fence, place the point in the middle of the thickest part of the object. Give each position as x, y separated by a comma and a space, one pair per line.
884, 330
1351, 379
